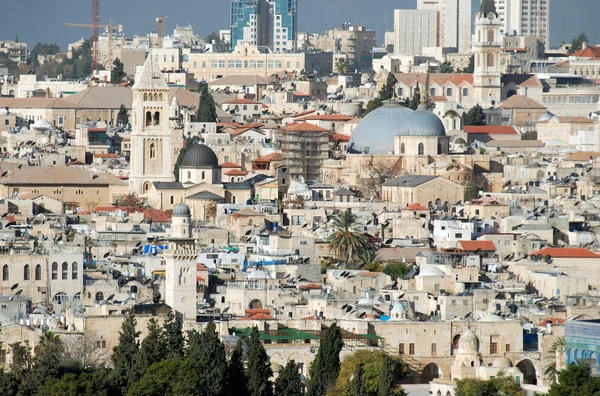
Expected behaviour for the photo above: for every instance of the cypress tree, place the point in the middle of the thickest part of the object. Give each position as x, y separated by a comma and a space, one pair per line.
237, 382
326, 367
122, 116
288, 383
174, 341
416, 99
387, 91
207, 362
357, 385
386, 377
474, 117
126, 355
153, 349
47, 358
259, 368
206, 108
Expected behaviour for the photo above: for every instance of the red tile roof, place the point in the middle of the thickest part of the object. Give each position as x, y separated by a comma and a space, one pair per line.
74, 163
229, 123
103, 155
326, 117
340, 137
310, 286
552, 321
303, 113
520, 102
491, 130
201, 267
471, 246
438, 78
259, 316
240, 101
253, 125
300, 94
555, 252
238, 132
304, 127
156, 216
589, 52
582, 156
273, 157
415, 206
229, 165
236, 172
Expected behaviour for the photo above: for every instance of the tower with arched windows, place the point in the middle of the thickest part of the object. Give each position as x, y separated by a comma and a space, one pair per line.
151, 159
487, 42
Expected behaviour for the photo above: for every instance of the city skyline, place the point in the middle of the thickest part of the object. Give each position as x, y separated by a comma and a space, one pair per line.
47, 24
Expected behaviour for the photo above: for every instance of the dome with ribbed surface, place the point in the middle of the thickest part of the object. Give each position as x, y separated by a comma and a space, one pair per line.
375, 133
181, 210
422, 122
199, 156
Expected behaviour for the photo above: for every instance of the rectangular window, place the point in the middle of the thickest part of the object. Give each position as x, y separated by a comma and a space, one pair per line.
2, 356
449, 92
214, 63
270, 64
303, 242
222, 64
507, 348
458, 235
411, 348
61, 120
230, 64
238, 64
401, 348
434, 349
494, 341
252, 64
260, 64
278, 64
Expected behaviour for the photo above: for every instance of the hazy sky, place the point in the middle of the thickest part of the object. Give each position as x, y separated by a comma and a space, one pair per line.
43, 20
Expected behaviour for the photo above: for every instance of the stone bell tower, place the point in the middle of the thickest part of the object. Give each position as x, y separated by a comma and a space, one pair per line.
487, 44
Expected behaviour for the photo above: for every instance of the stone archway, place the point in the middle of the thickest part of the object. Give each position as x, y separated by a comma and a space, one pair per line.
255, 304
529, 372
455, 342
430, 372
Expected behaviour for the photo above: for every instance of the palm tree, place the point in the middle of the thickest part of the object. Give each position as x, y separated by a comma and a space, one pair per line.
341, 66
550, 370
369, 260
345, 241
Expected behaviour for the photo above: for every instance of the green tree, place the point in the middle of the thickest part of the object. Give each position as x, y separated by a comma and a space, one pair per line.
221, 46
341, 66
472, 190
396, 269
375, 371
117, 74
471, 67
21, 369
237, 382
42, 49
161, 379
577, 42
173, 333
345, 241
415, 101
575, 380
387, 91
206, 363
187, 145
531, 135
126, 354
206, 109
325, 369
557, 347
357, 384
499, 386
446, 67
372, 105
289, 383
259, 368
122, 116
153, 348
474, 117
85, 384
47, 358
369, 260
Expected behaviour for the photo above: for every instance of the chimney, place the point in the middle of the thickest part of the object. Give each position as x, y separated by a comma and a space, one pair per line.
47, 92
584, 45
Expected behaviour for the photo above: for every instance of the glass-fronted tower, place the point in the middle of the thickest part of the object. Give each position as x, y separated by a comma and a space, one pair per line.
250, 22
285, 25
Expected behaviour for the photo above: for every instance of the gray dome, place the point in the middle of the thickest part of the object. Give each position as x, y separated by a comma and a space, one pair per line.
200, 155
423, 122
181, 210
375, 133
545, 117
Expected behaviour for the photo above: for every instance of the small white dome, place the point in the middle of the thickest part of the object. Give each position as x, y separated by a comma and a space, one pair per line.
42, 125
367, 301
490, 317
502, 362
431, 271
468, 342
398, 307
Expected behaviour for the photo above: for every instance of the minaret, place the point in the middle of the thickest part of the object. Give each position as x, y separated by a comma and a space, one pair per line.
151, 158
487, 42
180, 258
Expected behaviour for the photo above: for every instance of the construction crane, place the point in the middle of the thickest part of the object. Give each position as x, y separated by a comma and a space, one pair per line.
159, 29
110, 27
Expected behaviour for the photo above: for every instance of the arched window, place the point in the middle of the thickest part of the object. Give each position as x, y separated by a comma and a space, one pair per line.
146, 186
148, 118
189, 175
65, 271
145, 97
156, 118
5, 273
99, 296
172, 199
203, 175
256, 107
155, 97
160, 97
490, 34
74, 271
490, 59
421, 149
38, 272
245, 107
440, 148
26, 272
152, 150
402, 148
55, 270
232, 180
465, 91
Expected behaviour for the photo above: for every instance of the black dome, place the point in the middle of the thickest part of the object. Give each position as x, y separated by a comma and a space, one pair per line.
200, 155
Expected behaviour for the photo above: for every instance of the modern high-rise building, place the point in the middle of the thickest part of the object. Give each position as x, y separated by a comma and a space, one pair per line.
250, 22
271, 23
454, 18
415, 30
285, 25
525, 18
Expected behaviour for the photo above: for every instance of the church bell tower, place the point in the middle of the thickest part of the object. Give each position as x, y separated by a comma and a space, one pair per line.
487, 44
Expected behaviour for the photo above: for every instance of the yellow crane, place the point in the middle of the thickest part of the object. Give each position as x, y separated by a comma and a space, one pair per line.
110, 27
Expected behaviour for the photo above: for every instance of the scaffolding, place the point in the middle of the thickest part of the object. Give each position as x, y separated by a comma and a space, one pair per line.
304, 147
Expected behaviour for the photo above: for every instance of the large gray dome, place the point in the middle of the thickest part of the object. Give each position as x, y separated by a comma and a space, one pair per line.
199, 156
423, 122
375, 133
